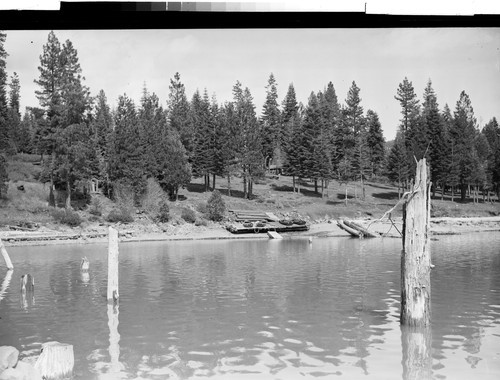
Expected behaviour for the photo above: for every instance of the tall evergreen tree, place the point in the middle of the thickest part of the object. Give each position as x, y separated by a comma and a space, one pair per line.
152, 122
291, 129
174, 170
50, 98
201, 156
127, 157
491, 132
376, 142
411, 126
101, 130
249, 153
13, 114
230, 141
355, 122
5, 141
438, 145
178, 113
397, 165
462, 133
270, 121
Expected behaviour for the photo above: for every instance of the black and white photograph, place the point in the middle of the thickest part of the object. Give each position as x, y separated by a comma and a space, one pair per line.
250, 202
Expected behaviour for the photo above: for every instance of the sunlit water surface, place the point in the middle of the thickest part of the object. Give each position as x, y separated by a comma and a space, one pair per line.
258, 309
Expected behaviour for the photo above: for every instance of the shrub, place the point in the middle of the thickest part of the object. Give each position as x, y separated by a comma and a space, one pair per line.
121, 215
202, 208
67, 216
164, 211
188, 215
152, 198
216, 206
201, 222
95, 206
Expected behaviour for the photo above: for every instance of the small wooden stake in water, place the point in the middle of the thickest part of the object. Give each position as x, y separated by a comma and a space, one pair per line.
416, 258
113, 294
56, 360
6, 256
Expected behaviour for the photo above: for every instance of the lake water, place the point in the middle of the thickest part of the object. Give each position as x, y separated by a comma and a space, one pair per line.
255, 309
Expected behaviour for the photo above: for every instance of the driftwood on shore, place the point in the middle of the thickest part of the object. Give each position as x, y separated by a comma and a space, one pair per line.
44, 236
355, 229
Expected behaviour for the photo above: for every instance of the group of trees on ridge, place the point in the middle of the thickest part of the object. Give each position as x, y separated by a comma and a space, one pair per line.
80, 137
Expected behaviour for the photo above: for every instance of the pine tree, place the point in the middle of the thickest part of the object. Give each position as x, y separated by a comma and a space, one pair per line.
127, 156
174, 169
397, 165
201, 157
101, 130
5, 141
410, 126
438, 149
249, 147
230, 141
291, 134
376, 143
491, 131
178, 113
270, 121
152, 122
462, 133
13, 114
359, 153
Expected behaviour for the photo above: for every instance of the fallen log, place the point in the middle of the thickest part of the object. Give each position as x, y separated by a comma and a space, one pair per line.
361, 229
348, 229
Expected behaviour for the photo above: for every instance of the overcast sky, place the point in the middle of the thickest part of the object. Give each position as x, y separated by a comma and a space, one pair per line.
377, 59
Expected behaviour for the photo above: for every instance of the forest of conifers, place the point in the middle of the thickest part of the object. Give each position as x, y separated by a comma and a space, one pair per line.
81, 137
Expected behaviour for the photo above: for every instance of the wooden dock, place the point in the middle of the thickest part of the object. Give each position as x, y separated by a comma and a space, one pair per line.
259, 227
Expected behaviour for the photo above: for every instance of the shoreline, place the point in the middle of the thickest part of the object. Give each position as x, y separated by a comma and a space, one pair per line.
189, 232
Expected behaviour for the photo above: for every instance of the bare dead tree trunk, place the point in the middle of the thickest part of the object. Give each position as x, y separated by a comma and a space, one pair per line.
416, 257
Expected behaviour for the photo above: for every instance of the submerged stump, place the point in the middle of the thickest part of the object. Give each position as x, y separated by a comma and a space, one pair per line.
415, 258
56, 361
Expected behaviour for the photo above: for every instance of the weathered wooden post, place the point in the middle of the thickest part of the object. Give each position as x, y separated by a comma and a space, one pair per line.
416, 256
27, 291
113, 294
6, 256
415, 314
56, 360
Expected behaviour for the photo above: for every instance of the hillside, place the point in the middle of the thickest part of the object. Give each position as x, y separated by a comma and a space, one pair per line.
28, 207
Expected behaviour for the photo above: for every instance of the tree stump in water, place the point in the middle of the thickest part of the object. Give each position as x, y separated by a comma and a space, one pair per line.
415, 258
6, 256
27, 283
113, 294
56, 361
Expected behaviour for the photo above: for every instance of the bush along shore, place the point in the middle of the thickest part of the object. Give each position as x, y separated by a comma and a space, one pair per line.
26, 218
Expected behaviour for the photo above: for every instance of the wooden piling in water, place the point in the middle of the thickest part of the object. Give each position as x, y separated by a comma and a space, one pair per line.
84, 265
415, 257
27, 283
113, 294
5, 255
